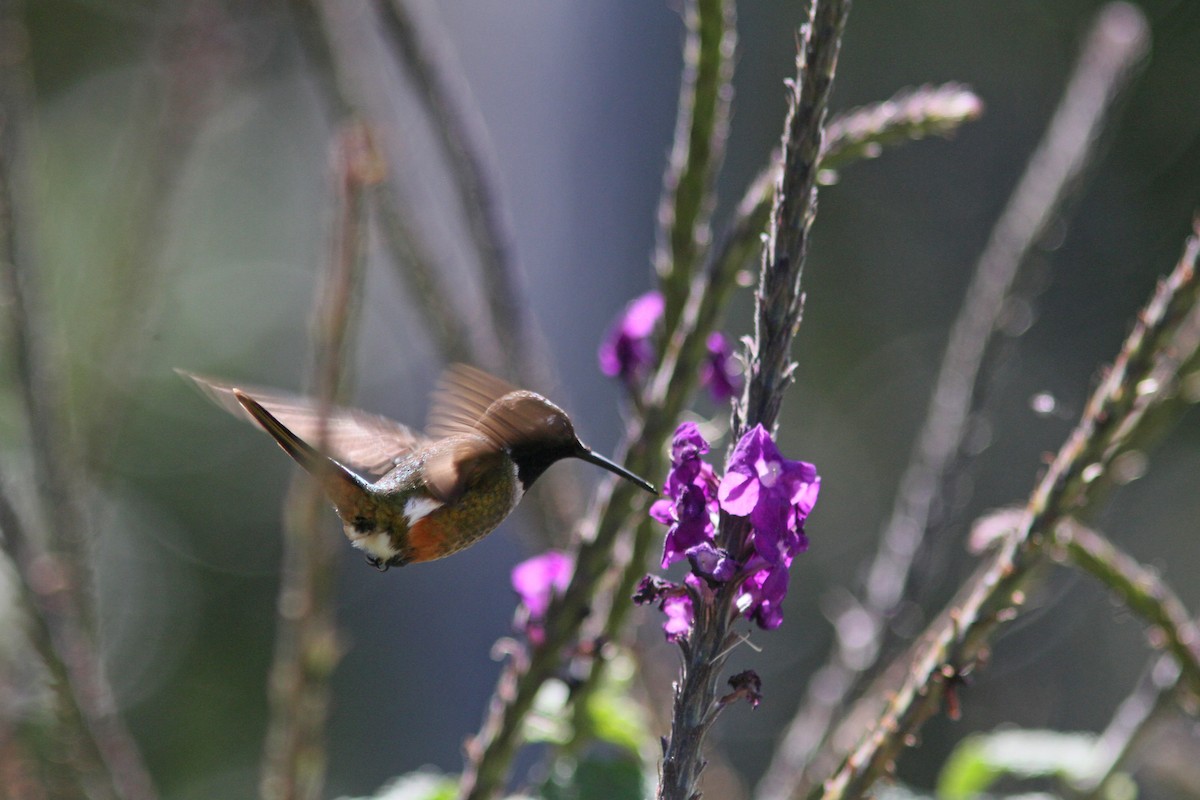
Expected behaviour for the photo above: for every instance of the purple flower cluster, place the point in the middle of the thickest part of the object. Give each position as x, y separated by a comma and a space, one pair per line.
627, 351
537, 580
773, 493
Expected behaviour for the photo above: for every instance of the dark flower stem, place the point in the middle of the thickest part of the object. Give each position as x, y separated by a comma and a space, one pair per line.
777, 319
701, 128
1162, 343
1114, 45
307, 646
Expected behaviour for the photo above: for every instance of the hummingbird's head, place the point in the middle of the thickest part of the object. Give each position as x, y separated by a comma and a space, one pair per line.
536, 433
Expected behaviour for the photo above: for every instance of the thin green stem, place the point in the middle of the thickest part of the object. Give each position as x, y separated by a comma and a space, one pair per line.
701, 128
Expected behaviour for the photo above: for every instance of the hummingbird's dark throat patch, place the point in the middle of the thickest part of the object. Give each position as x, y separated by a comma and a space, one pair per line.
533, 460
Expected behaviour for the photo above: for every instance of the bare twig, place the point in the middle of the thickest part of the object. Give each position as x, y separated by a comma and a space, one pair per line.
1163, 342
701, 127
36, 365
307, 648
1117, 41
446, 320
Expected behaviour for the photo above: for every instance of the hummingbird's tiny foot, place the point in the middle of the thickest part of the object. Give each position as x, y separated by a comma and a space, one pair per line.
378, 563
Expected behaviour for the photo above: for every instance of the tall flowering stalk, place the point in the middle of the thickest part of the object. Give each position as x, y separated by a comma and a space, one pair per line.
773, 493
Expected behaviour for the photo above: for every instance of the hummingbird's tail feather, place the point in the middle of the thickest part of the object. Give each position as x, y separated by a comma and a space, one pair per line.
363, 442
342, 484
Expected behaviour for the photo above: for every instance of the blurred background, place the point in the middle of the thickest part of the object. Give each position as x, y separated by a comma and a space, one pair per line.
177, 168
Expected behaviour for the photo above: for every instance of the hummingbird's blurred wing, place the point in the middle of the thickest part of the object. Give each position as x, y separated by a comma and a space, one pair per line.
361, 441
460, 398
457, 464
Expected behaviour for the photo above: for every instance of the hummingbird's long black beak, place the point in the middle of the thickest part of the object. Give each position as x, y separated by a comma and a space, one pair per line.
595, 458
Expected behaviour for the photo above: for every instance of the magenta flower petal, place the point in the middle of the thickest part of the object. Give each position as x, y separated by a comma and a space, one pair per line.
711, 563
679, 616
626, 350
718, 374
538, 579
738, 493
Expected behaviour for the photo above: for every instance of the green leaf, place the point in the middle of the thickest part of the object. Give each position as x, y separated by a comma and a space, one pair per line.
982, 759
598, 778
426, 784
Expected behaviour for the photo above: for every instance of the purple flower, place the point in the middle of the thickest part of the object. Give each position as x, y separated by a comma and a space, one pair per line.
627, 349
762, 595
711, 563
777, 494
718, 373
690, 485
678, 609
537, 580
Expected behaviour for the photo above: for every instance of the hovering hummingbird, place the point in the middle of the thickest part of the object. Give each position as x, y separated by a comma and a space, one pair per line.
430, 495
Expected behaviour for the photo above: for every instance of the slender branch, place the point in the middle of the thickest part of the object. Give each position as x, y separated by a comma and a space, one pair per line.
910, 114
1163, 341
1139, 588
308, 648
36, 364
1116, 42
444, 320
701, 128
102, 755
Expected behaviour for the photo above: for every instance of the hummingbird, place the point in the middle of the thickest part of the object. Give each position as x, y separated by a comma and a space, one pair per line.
405, 497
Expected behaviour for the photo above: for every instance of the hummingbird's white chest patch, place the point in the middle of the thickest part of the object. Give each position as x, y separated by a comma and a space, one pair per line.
377, 544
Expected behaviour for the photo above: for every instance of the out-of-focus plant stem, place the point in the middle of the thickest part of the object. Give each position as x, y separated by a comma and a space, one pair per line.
1152, 698
1161, 345
1140, 589
701, 128
307, 648
443, 90
53, 573
1115, 44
